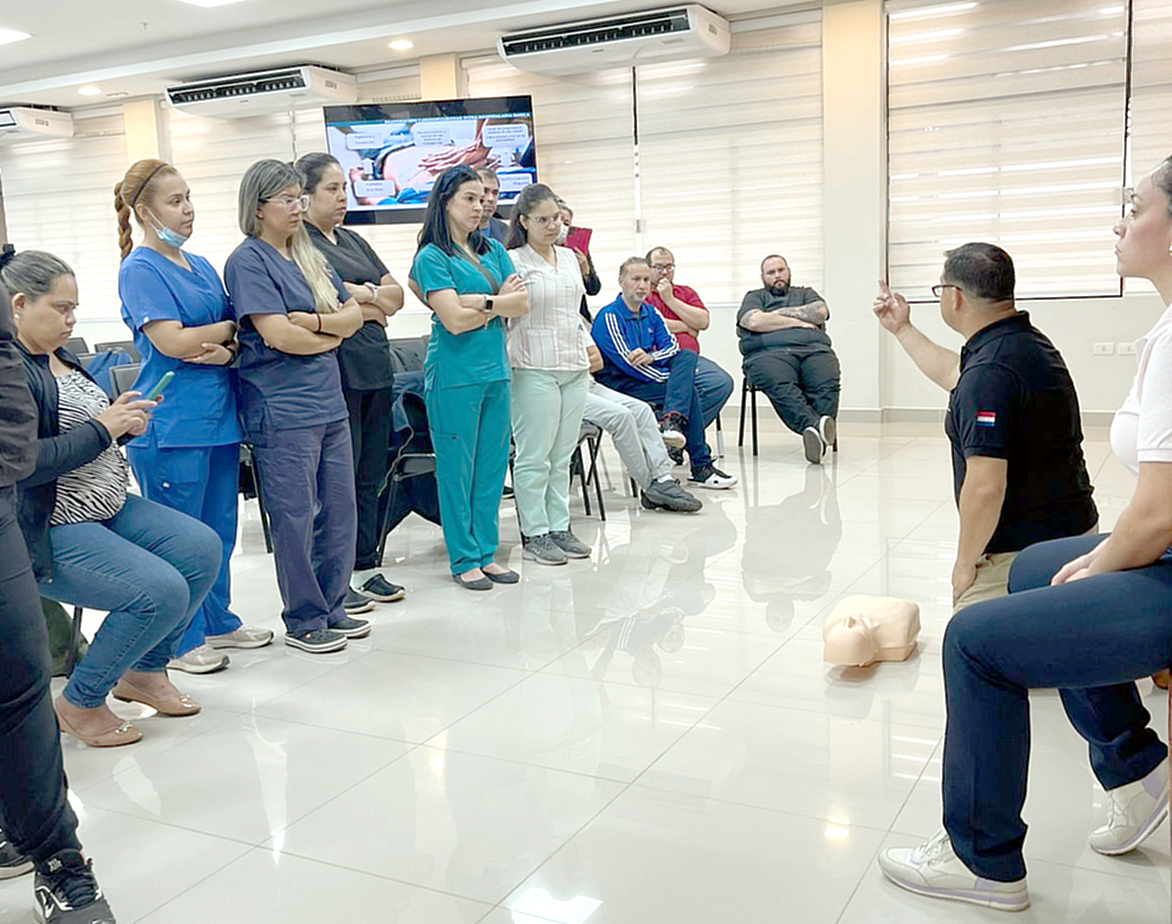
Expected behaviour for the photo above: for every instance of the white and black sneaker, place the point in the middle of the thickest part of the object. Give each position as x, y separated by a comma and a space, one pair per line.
66, 891
316, 641
671, 427
710, 477
13, 863
350, 627
814, 445
378, 588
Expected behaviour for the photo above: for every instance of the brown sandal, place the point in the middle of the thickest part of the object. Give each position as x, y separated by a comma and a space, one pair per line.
113, 738
173, 704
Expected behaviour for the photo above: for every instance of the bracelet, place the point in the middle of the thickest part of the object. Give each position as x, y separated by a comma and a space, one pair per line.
373, 290
319, 323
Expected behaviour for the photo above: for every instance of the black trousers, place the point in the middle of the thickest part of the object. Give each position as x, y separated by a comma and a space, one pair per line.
801, 386
370, 436
34, 812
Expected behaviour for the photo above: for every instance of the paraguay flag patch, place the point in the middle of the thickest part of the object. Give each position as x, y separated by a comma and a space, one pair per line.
986, 418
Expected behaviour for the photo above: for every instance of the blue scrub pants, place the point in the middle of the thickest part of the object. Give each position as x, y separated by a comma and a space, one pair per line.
202, 482
715, 387
307, 479
1089, 639
679, 394
470, 434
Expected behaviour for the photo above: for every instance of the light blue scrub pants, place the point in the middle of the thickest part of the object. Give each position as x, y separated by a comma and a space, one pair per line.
547, 415
470, 434
202, 482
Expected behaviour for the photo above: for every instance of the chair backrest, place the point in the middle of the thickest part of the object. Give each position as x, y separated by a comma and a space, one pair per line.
122, 377
77, 345
407, 353
419, 433
126, 345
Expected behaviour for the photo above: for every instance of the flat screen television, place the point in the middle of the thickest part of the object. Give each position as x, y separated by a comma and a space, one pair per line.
392, 153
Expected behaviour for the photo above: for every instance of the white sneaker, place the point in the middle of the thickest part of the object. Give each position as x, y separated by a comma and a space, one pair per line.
814, 445
1134, 811
201, 660
828, 430
933, 869
244, 637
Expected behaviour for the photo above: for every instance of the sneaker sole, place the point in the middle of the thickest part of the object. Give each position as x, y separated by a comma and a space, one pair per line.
1149, 828
353, 633
674, 439
315, 649
228, 644
197, 669
543, 561
813, 446
385, 598
14, 872
829, 432
363, 608
712, 487
984, 899
570, 554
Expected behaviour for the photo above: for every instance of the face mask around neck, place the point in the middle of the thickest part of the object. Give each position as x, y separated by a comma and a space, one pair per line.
166, 235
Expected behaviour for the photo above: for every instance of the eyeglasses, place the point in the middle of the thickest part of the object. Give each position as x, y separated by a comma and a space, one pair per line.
544, 221
290, 203
663, 267
939, 290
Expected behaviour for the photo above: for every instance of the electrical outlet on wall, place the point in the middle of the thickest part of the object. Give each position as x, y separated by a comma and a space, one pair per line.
1125, 348
1103, 349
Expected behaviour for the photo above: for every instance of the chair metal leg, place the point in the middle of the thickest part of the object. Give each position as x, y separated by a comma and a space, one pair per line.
719, 439
382, 527
753, 399
744, 395
594, 446
260, 505
576, 460
74, 641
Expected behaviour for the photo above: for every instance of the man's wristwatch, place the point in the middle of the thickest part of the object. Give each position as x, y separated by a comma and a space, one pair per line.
487, 304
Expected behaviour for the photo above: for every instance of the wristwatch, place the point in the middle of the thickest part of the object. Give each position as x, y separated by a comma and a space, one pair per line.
487, 304
373, 288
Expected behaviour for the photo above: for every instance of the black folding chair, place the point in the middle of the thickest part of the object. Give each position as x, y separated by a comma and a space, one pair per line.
126, 346
590, 434
415, 459
122, 377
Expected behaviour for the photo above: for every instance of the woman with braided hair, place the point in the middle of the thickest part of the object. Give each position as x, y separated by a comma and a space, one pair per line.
187, 459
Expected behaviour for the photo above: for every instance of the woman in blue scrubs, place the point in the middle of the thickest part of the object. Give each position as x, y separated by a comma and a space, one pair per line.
469, 283
188, 458
292, 313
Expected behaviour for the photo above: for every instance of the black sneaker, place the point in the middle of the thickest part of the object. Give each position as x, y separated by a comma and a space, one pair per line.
316, 641
671, 428
668, 495
13, 863
380, 589
67, 892
676, 455
709, 476
352, 628
356, 602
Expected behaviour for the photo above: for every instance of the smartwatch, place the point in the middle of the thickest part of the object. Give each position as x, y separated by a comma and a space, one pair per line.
487, 304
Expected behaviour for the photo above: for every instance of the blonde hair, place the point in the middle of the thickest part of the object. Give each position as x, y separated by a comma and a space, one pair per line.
261, 182
130, 189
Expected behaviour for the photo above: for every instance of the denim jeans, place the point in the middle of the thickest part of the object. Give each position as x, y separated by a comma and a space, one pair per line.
1089, 639
34, 812
150, 567
715, 386
802, 386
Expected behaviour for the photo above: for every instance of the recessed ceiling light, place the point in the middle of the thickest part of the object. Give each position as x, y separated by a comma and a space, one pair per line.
90, 91
11, 35
210, 3
401, 45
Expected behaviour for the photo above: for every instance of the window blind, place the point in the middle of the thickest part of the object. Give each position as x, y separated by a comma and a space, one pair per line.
1151, 83
730, 158
59, 197
1006, 124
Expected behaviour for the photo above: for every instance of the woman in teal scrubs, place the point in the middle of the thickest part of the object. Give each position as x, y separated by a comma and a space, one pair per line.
469, 283
189, 456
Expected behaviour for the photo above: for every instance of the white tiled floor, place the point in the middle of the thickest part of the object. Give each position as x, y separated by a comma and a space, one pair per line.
648, 737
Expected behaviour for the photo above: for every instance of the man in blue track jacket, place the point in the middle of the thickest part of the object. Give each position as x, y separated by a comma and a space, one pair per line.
644, 361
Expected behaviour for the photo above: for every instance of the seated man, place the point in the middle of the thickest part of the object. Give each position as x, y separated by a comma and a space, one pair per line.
787, 355
635, 432
684, 314
490, 224
1013, 420
644, 361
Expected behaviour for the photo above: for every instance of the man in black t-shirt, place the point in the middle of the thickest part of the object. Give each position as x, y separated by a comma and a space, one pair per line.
1013, 420
787, 355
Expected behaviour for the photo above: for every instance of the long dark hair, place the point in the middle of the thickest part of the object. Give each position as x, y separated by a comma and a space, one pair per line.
435, 219
531, 196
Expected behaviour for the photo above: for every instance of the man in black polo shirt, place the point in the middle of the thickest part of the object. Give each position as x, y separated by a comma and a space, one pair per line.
1013, 420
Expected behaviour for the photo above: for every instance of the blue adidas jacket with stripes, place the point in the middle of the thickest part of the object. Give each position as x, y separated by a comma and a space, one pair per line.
618, 331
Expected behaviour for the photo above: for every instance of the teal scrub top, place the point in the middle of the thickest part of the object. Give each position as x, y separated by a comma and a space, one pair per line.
200, 405
477, 356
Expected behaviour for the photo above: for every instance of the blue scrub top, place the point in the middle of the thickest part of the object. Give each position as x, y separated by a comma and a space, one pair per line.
200, 404
476, 356
279, 391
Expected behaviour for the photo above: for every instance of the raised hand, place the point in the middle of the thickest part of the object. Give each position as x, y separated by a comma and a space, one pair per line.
891, 309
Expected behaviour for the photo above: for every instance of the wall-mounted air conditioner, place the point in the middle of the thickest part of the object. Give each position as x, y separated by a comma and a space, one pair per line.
277, 90
688, 31
27, 123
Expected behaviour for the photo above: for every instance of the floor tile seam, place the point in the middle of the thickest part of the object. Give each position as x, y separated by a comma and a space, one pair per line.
154, 820
247, 849
512, 686
509, 911
911, 791
837, 715
509, 667
465, 752
869, 870
682, 736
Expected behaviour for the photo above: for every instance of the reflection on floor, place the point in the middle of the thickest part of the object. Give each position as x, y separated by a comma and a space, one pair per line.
647, 737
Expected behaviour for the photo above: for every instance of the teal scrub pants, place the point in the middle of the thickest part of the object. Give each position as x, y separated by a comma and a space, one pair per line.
470, 434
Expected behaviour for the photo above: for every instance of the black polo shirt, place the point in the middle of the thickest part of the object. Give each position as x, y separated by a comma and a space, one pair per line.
1015, 400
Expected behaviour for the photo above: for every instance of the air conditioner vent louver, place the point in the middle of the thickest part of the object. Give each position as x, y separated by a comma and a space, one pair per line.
614, 30
264, 91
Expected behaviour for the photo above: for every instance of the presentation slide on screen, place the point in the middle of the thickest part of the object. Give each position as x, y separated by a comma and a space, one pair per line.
394, 164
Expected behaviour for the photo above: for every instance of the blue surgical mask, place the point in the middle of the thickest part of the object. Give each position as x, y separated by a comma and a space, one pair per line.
167, 236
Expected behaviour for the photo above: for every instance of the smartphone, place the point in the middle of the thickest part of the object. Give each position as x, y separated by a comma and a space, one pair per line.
158, 389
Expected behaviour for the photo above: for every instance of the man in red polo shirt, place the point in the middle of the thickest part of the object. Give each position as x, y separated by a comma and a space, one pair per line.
684, 312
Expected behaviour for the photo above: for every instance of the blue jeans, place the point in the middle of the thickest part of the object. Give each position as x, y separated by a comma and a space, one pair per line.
1089, 639
714, 385
307, 479
150, 567
679, 394
202, 482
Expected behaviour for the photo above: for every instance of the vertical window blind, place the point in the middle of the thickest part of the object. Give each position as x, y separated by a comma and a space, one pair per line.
59, 197
1006, 124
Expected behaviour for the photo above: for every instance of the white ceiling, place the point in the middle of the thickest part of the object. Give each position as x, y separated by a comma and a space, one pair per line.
136, 48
